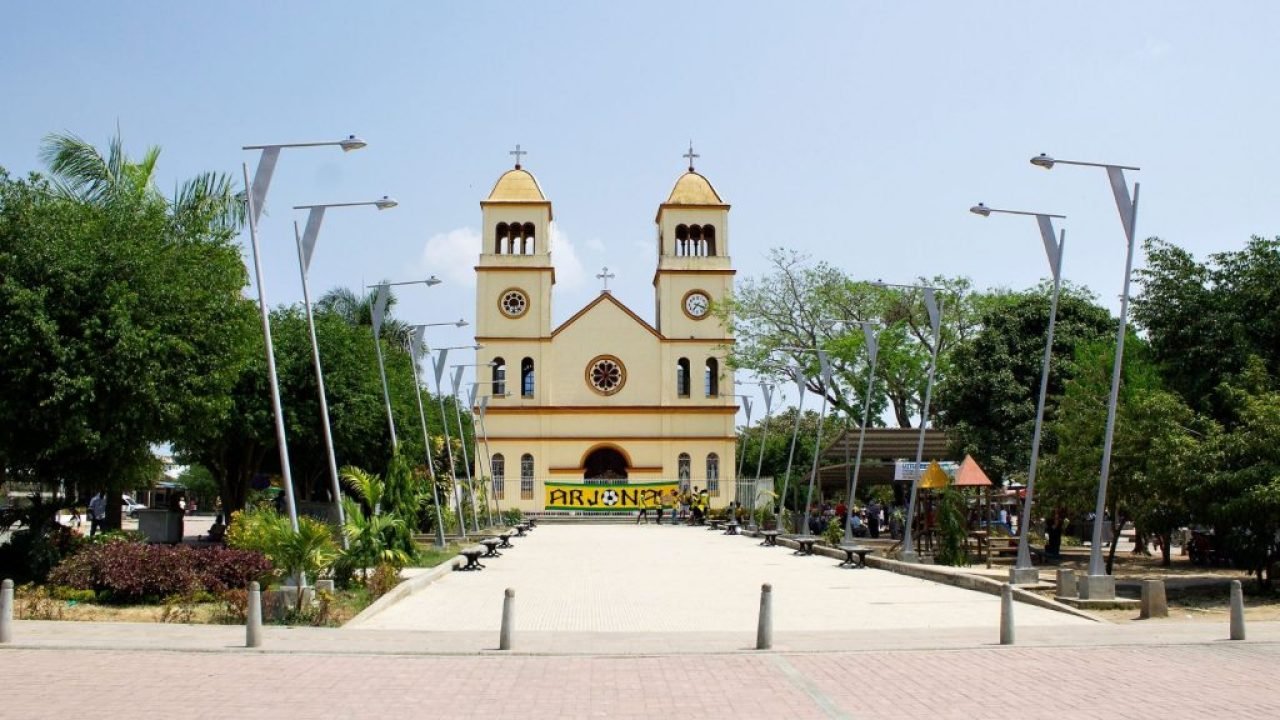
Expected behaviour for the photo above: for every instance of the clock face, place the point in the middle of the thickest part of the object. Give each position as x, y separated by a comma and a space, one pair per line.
697, 304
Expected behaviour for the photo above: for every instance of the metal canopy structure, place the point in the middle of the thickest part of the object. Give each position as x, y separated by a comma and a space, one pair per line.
883, 447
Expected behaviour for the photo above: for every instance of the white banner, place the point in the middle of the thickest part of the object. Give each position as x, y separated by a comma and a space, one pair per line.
905, 470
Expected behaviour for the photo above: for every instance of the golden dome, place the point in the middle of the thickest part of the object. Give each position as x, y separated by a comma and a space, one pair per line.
693, 189
517, 185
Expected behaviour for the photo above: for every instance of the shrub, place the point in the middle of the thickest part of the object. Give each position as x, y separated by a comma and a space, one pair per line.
384, 578
512, 516
834, 532
133, 572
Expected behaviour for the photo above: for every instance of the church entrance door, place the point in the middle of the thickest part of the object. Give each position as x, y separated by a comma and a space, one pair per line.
605, 464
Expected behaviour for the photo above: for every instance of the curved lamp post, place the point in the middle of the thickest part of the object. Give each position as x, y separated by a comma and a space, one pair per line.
306, 242
934, 307
456, 385
255, 198
415, 348
1098, 585
377, 312
873, 354
437, 366
797, 375
1023, 571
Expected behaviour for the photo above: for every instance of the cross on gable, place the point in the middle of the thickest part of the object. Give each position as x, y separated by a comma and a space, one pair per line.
605, 275
691, 155
518, 152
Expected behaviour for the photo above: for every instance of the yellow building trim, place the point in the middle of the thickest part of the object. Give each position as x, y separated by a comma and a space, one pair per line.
579, 471
613, 438
612, 410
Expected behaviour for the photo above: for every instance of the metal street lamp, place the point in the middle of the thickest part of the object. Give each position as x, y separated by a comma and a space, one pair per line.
1098, 585
873, 354
377, 311
934, 307
306, 242
255, 198
456, 383
825, 369
415, 344
1024, 572
737, 478
797, 375
767, 389
437, 366
484, 406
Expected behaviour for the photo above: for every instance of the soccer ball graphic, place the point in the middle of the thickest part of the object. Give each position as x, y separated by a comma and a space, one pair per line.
609, 497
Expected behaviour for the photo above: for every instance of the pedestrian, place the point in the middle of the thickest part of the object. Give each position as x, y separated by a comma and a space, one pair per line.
660, 502
644, 512
97, 513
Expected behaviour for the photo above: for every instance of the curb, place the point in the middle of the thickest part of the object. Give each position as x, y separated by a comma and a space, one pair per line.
948, 577
405, 589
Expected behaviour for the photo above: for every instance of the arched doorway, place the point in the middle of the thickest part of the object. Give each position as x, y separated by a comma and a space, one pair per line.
605, 463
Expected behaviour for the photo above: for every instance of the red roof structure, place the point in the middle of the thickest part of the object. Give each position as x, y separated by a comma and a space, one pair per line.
970, 474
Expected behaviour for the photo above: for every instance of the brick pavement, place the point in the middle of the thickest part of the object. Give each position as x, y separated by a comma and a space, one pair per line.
1147, 681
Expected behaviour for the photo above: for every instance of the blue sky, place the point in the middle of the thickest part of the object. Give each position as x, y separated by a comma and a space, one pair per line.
857, 132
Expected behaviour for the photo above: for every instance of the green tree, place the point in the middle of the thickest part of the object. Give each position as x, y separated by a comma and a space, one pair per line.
988, 400
118, 312
799, 304
1205, 320
1158, 451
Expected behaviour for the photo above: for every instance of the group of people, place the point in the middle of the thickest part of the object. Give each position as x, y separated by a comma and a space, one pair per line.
865, 522
685, 506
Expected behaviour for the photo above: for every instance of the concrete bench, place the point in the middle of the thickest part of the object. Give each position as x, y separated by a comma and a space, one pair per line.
521, 529
491, 547
806, 544
472, 554
731, 527
715, 523
850, 551
770, 538
504, 539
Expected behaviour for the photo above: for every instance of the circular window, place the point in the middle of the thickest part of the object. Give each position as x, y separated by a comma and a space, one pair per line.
513, 303
606, 374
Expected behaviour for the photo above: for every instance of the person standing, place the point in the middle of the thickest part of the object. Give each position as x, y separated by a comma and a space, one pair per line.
97, 513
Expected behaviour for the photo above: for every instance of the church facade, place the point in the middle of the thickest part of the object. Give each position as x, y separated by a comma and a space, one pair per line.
605, 411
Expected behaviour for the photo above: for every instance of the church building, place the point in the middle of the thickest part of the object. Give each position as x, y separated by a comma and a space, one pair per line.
605, 411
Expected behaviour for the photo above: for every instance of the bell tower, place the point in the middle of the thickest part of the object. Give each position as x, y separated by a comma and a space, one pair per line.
514, 279
694, 271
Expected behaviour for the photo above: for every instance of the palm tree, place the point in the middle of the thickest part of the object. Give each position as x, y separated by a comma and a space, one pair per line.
80, 172
358, 311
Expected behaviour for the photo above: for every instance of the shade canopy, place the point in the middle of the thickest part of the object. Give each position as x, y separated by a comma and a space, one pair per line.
970, 474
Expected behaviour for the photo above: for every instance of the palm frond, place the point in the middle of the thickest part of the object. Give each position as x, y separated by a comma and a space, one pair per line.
77, 168
211, 198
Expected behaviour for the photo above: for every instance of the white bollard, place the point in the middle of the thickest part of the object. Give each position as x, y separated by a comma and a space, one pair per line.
764, 629
508, 619
1237, 610
1006, 614
6, 611
253, 621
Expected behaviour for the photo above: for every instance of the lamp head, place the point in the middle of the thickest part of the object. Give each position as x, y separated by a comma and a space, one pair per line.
477, 347
460, 323
981, 209
1042, 160
351, 143
386, 203
433, 280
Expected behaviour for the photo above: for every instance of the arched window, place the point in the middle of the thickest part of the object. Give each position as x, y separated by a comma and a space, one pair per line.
712, 378
682, 240
526, 477
682, 377
684, 468
499, 386
498, 466
528, 237
709, 238
713, 475
499, 237
695, 239
526, 377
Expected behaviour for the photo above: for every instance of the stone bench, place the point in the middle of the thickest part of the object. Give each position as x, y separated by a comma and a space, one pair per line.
770, 538
491, 547
472, 554
731, 527
806, 543
504, 539
850, 551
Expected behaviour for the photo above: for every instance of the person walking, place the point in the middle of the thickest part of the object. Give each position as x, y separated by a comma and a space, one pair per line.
644, 511
97, 513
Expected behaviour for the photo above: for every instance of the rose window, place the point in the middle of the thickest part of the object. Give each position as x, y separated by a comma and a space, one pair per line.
606, 374
514, 303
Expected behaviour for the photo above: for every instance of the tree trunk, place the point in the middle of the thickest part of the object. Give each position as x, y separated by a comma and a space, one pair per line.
115, 515
1165, 539
1116, 524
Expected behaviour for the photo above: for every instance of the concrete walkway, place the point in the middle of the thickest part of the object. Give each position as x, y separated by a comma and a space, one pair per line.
662, 579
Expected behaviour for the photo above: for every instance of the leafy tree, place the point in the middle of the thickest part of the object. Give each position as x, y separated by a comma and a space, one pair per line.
804, 305
988, 400
117, 313
1158, 450
777, 446
1206, 320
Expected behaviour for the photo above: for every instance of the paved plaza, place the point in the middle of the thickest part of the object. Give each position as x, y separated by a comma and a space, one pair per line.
663, 579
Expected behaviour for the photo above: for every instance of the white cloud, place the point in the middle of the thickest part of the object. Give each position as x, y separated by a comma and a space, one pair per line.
569, 271
595, 245
453, 256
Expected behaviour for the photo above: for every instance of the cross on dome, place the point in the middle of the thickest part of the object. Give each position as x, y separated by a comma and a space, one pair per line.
691, 155
518, 152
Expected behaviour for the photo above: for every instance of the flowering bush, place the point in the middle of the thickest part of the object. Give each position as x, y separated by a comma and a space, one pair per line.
132, 572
